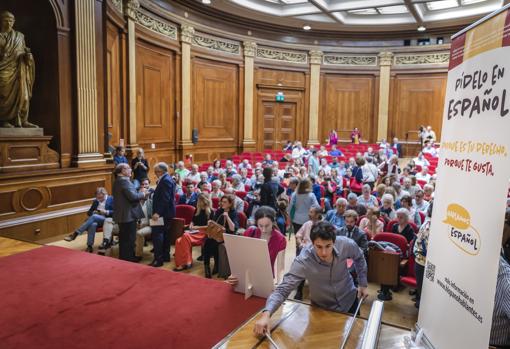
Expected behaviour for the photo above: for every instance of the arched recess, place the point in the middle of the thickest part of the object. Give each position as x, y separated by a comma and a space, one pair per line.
45, 25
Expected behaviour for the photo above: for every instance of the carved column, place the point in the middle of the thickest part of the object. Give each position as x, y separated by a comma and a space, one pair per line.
385, 59
86, 80
315, 73
130, 8
187, 33
250, 49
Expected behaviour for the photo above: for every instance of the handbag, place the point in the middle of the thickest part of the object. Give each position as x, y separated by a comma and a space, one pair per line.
354, 184
215, 231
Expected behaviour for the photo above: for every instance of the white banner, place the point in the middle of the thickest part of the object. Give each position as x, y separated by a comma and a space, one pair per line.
470, 199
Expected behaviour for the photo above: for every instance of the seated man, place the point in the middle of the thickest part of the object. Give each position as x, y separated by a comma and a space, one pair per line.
336, 216
324, 265
190, 198
335, 152
351, 231
352, 199
143, 228
101, 208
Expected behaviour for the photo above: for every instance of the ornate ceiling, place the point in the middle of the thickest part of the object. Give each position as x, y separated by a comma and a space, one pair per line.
359, 15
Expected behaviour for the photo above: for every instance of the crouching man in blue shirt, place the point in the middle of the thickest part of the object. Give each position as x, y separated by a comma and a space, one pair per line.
324, 265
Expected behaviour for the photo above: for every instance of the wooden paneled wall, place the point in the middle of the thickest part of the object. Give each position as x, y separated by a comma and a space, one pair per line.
348, 101
416, 99
215, 108
155, 103
114, 83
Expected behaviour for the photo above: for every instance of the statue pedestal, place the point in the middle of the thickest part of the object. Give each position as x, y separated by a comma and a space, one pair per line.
26, 149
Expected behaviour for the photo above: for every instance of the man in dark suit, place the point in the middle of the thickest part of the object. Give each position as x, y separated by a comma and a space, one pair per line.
127, 210
351, 231
191, 197
101, 208
163, 205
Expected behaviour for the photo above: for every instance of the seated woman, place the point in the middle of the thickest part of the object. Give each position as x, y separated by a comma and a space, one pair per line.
265, 228
387, 210
216, 189
371, 224
366, 198
196, 235
226, 216
403, 227
414, 216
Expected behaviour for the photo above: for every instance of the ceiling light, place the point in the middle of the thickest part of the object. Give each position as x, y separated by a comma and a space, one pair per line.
306, 27
421, 28
206, 2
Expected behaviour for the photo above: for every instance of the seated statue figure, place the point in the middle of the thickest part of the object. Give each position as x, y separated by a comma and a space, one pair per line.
17, 73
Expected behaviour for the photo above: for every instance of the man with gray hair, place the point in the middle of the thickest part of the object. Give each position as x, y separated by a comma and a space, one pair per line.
163, 206
336, 215
127, 210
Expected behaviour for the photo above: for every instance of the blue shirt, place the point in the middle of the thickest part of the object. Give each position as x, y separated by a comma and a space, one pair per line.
336, 153
334, 218
117, 159
331, 284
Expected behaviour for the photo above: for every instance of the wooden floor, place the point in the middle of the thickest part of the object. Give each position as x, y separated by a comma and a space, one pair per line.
9, 246
400, 311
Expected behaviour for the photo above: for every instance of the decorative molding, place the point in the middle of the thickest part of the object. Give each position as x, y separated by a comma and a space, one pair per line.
430, 58
155, 24
216, 44
131, 7
276, 54
187, 33
339, 59
117, 4
315, 56
385, 58
250, 48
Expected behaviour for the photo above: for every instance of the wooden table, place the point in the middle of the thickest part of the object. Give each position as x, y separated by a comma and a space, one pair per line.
299, 325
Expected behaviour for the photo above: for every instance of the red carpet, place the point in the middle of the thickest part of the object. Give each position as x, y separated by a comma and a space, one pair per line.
55, 298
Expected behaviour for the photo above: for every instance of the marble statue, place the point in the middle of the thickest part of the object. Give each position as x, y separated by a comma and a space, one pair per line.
17, 74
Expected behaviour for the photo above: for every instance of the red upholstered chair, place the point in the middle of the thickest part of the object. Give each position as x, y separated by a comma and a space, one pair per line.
421, 182
185, 212
422, 216
242, 220
396, 239
409, 277
215, 203
240, 194
390, 225
247, 188
245, 207
183, 216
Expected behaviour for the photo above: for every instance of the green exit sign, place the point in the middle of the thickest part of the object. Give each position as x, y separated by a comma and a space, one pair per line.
280, 97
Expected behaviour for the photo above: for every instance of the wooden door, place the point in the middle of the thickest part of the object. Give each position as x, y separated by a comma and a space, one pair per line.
278, 123
287, 123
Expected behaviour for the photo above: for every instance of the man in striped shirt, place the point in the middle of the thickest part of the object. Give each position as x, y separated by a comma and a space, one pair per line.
500, 331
